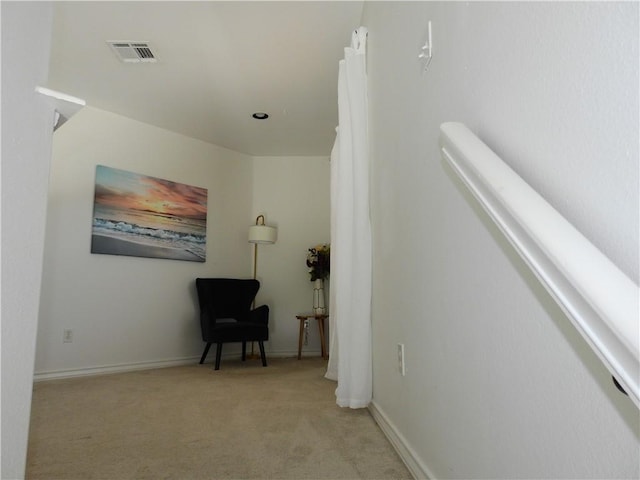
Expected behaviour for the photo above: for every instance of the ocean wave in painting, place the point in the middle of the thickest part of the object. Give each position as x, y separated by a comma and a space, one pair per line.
195, 244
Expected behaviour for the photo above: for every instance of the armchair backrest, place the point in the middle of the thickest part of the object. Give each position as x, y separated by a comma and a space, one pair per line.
225, 298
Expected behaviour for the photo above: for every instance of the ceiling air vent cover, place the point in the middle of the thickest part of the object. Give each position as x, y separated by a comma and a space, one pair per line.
133, 52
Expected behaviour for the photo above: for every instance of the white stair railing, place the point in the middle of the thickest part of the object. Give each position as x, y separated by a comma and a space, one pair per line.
598, 298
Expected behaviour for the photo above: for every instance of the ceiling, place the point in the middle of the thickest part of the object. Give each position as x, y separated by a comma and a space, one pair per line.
218, 63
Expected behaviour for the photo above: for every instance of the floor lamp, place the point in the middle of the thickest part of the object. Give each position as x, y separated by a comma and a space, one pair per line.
260, 233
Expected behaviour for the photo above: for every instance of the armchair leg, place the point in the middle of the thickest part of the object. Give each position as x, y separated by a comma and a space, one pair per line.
204, 354
218, 355
244, 351
262, 355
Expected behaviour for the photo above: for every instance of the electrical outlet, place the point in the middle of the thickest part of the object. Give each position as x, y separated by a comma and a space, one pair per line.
401, 366
67, 336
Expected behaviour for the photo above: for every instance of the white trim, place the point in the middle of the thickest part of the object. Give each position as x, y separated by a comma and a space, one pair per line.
133, 367
61, 96
108, 369
598, 298
417, 469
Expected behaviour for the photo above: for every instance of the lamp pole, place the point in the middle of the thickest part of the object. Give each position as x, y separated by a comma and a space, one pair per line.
259, 233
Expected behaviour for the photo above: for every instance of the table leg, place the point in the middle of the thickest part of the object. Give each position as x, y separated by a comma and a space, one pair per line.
322, 343
300, 338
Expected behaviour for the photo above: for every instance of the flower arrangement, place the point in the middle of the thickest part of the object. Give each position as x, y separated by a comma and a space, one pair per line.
318, 261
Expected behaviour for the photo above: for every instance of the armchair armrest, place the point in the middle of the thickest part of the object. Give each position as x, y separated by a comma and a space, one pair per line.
260, 315
206, 324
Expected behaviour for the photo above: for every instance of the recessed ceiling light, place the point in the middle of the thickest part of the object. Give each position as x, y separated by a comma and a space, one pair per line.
260, 116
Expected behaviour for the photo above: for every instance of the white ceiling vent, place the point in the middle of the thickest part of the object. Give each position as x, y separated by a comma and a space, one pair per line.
133, 52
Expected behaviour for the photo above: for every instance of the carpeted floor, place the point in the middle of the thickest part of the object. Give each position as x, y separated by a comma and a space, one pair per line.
241, 422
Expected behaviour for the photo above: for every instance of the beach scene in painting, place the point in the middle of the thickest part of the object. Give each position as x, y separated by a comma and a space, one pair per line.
142, 216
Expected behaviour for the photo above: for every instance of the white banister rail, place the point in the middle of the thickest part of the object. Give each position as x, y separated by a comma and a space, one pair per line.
598, 298
66, 106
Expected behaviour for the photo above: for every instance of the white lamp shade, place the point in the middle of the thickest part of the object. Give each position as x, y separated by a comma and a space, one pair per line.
262, 234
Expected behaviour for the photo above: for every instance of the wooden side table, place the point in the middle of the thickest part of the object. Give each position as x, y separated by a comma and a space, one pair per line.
320, 317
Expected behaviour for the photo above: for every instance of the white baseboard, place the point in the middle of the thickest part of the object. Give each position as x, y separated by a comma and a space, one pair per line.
132, 367
289, 354
118, 368
407, 454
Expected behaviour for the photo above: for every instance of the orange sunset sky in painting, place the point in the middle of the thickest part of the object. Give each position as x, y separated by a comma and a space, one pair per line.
130, 191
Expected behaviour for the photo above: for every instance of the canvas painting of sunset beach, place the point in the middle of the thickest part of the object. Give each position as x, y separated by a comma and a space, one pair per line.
143, 216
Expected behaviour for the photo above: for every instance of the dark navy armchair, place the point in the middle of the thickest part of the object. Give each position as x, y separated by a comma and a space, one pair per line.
226, 315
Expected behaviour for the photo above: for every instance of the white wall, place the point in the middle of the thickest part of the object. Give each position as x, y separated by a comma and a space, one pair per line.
498, 383
293, 194
27, 122
131, 310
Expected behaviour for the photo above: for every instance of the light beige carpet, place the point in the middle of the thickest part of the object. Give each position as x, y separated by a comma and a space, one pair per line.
241, 422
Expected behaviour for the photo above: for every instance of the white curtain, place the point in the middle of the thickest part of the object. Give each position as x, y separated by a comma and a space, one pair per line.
350, 289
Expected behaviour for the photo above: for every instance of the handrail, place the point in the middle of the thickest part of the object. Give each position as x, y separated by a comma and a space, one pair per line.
65, 106
598, 298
